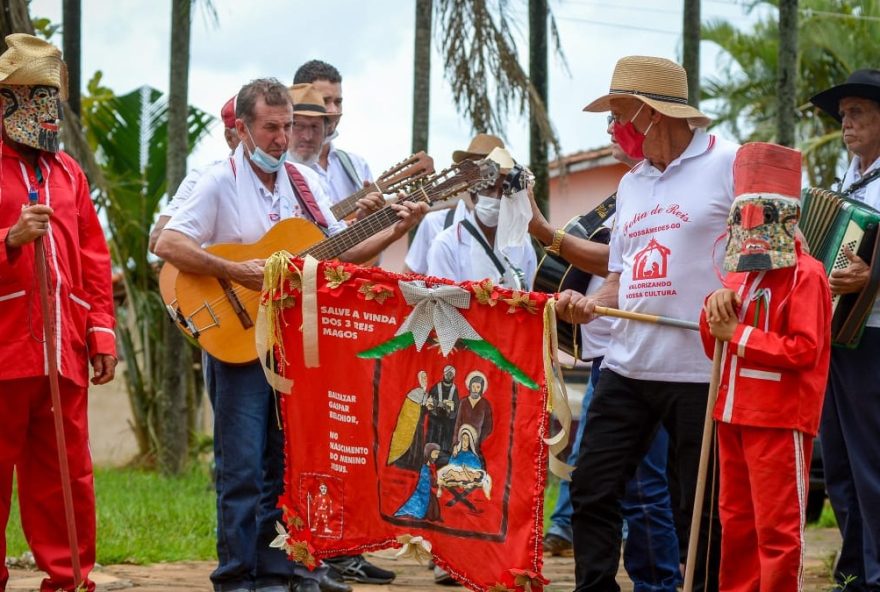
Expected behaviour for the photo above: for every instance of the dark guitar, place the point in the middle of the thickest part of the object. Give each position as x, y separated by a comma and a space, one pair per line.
555, 274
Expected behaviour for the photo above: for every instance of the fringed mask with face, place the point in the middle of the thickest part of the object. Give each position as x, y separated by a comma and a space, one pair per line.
31, 115
761, 232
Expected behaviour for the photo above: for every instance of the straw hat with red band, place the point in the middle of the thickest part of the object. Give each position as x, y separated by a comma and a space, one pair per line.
659, 83
30, 61
307, 100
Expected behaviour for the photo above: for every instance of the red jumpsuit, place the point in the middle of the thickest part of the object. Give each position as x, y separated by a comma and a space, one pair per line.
769, 403
81, 301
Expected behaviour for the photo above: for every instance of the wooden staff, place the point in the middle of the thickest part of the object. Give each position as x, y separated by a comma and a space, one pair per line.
52, 362
647, 318
699, 495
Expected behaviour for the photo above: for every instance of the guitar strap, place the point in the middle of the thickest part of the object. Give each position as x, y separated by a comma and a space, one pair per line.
300, 190
861, 183
304, 195
592, 220
450, 216
348, 167
489, 250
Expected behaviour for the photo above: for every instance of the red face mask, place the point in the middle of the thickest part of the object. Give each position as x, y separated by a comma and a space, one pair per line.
629, 138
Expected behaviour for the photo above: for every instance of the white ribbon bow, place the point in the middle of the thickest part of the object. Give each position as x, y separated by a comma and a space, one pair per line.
436, 308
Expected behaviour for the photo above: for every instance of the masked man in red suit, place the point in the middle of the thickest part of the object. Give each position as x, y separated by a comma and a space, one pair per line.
33, 81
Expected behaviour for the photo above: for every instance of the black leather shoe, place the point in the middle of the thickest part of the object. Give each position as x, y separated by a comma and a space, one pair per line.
306, 585
328, 584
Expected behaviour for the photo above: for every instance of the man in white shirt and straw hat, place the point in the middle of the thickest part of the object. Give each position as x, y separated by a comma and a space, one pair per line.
671, 208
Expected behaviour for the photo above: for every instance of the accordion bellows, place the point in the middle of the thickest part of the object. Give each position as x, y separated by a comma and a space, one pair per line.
832, 224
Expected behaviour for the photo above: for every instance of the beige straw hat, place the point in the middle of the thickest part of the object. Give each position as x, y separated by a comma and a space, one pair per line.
502, 158
30, 61
307, 100
659, 83
480, 146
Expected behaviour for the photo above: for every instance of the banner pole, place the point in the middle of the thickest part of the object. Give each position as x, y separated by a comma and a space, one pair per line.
647, 318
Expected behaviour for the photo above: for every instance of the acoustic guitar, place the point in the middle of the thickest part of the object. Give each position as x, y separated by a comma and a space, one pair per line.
402, 175
555, 274
220, 314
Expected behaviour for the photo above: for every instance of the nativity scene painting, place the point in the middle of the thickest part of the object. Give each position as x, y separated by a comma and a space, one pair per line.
436, 457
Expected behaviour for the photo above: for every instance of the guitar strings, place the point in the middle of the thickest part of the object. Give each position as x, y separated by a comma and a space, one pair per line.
466, 180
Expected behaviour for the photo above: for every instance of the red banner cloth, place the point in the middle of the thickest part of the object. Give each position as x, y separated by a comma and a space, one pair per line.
380, 450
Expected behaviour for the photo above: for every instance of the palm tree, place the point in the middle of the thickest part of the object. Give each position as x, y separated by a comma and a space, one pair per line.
14, 18
481, 65
690, 33
786, 112
836, 37
129, 135
422, 76
173, 396
538, 12
72, 15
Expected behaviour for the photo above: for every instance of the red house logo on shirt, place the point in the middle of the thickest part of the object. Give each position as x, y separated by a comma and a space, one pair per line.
650, 263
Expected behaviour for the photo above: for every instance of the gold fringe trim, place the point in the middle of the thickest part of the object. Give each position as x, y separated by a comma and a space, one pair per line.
280, 282
557, 395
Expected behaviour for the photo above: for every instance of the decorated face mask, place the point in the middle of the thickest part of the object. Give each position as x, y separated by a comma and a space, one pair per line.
761, 232
31, 115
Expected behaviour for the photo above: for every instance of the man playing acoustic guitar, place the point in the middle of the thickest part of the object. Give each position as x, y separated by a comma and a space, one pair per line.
238, 201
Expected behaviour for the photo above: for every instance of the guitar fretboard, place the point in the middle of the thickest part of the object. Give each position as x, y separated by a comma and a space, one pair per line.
363, 229
347, 206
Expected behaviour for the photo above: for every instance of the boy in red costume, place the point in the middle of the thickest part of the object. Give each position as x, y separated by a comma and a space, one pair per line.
773, 320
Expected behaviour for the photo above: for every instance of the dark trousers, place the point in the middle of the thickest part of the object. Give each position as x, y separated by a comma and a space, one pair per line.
624, 417
249, 459
850, 438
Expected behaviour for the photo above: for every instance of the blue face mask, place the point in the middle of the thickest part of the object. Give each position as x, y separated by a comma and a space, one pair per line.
265, 161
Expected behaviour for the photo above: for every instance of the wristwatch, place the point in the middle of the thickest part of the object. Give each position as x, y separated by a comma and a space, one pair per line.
556, 245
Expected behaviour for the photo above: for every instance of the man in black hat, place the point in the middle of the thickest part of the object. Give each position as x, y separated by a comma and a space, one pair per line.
851, 415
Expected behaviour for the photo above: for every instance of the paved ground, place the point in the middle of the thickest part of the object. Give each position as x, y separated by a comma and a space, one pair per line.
174, 577
113, 444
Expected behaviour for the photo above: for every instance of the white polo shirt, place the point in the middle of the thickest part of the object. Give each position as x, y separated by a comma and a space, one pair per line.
870, 194
185, 189
431, 225
456, 255
335, 179
235, 207
662, 244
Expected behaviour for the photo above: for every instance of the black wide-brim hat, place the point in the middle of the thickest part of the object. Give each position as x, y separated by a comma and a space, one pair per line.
861, 83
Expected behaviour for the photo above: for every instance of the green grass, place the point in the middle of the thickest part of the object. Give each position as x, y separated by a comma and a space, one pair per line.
827, 519
145, 518
551, 492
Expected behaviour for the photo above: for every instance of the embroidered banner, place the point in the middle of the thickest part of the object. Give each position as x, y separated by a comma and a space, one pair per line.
422, 424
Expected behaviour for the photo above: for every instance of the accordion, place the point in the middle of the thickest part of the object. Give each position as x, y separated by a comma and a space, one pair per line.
832, 223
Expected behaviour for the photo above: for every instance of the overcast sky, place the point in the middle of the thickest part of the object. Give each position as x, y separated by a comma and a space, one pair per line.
371, 43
